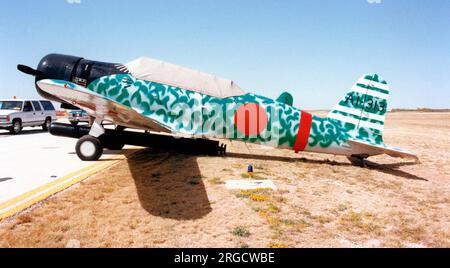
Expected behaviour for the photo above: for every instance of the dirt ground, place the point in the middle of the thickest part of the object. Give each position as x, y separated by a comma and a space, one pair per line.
165, 199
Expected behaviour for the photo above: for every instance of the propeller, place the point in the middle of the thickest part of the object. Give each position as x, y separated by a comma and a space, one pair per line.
28, 70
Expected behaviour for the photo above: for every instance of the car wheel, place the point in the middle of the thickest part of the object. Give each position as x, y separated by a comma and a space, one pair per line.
16, 127
47, 123
74, 122
88, 148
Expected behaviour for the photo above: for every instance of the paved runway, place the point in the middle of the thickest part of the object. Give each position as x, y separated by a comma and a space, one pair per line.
35, 164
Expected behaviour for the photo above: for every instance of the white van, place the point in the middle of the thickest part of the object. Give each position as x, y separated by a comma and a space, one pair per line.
16, 114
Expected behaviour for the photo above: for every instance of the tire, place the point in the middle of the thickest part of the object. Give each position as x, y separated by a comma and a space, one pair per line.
16, 128
47, 123
74, 122
89, 148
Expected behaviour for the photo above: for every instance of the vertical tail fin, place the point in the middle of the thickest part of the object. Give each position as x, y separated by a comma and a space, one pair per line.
363, 108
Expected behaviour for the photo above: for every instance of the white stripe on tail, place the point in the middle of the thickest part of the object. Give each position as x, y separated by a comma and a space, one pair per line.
364, 105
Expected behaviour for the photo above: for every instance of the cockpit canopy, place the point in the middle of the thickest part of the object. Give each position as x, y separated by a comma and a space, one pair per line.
185, 78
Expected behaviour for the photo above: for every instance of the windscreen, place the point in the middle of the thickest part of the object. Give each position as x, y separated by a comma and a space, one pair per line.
11, 105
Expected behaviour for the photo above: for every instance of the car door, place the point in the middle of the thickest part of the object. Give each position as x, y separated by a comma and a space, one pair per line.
27, 114
49, 110
39, 115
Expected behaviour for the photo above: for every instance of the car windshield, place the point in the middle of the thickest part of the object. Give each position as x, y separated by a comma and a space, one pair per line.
11, 105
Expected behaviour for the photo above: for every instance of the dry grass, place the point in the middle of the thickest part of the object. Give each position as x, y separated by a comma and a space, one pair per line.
259, 195
276, 245
162, 199
241, 231
216, 181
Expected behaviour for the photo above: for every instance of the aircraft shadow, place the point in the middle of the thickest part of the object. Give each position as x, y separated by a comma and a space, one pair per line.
285, 159
391, 169
169, 185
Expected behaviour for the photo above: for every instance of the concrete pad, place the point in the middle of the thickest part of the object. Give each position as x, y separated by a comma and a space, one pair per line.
34, 159
249, 184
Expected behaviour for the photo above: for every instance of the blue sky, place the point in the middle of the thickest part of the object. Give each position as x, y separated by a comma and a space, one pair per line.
315, 49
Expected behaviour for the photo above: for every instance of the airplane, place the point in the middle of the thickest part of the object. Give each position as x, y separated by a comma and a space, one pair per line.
157, 96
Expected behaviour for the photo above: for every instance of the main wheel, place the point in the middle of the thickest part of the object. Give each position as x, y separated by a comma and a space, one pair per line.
47, 123
16, 127
89, 148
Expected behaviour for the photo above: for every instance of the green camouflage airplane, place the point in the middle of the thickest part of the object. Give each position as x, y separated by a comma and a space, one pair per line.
162, 97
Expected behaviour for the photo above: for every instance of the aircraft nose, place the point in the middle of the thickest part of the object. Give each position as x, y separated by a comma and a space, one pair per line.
57, 66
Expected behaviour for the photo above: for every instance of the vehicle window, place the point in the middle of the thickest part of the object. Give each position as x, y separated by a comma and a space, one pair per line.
48, 106
11, 105
37, 106
27, 107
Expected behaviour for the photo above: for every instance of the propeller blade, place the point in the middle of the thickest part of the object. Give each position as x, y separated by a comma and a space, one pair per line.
27, 70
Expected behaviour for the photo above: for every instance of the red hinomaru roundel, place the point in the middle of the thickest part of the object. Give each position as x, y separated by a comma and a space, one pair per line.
250, 119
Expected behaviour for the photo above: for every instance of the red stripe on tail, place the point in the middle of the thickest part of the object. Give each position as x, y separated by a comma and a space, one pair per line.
303, 132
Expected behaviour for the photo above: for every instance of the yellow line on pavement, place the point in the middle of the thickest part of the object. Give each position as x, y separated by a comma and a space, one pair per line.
30, 198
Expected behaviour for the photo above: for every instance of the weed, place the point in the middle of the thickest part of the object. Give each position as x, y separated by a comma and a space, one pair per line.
245, 175
276, 245
244, 245
363, 222
259, 197
215, 181
248, 193
24, 219
241, 231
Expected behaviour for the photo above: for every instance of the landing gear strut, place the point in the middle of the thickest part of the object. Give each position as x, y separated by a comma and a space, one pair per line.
89, 147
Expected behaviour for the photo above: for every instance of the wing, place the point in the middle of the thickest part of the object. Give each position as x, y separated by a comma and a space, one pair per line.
98, 106
374, 149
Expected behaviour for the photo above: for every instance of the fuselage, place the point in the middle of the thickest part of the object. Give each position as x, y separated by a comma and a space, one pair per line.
248, 117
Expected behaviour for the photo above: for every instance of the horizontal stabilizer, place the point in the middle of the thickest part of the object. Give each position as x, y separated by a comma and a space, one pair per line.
374, 149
